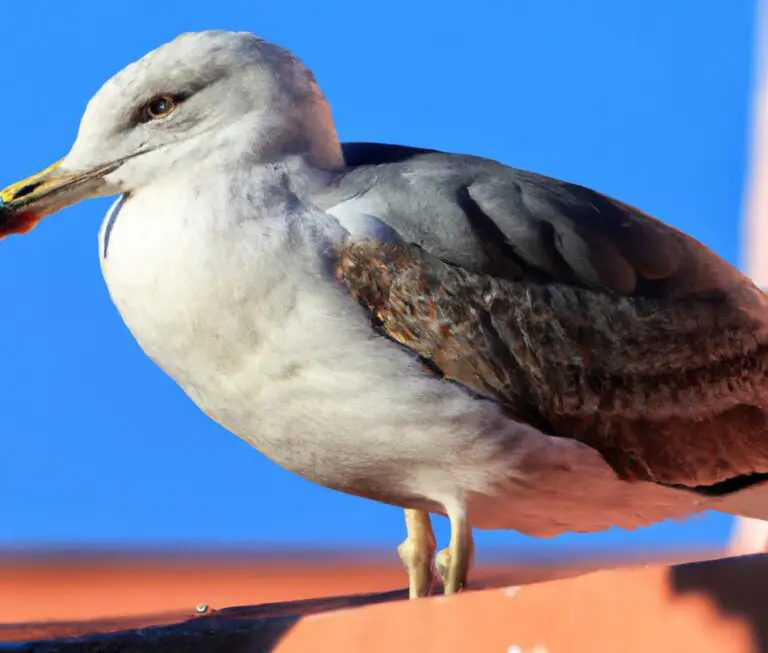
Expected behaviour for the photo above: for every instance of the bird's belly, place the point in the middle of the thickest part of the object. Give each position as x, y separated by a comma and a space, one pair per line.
388, 435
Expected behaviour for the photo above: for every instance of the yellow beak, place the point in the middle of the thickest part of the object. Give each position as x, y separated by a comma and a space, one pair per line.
25, 203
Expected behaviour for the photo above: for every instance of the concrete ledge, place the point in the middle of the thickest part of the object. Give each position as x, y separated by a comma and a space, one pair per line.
720, 605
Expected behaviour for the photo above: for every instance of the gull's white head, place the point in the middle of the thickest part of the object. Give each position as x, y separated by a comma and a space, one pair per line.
206, 99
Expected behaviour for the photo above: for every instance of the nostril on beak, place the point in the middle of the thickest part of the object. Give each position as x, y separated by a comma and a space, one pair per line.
26, 190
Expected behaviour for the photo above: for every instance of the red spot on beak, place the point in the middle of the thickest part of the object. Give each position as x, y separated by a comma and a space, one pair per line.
17, 223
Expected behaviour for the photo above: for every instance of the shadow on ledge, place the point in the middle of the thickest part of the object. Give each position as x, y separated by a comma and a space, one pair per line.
736, 586
251, 629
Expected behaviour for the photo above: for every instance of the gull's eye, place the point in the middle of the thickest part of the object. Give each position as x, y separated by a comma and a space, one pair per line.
159, 107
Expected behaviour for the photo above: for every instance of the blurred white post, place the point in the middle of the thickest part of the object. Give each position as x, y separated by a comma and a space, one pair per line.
751, 535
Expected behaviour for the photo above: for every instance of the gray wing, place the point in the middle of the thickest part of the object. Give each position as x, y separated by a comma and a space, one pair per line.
487, 217
572, 310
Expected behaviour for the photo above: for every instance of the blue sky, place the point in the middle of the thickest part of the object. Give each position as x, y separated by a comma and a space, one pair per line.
648, 102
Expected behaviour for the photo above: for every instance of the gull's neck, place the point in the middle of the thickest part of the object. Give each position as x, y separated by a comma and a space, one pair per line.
271, 191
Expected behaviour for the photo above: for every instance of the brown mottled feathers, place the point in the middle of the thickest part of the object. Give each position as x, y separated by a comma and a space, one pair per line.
669, 388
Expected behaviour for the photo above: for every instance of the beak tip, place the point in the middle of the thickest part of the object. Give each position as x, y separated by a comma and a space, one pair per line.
15, 223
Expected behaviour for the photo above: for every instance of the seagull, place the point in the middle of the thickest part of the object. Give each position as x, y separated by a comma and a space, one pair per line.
435, 331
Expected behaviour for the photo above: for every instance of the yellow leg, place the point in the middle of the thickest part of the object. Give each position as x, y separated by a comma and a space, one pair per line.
417, 551
453, 563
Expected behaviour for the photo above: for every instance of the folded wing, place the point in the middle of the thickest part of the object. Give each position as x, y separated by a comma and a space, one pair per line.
577, 313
